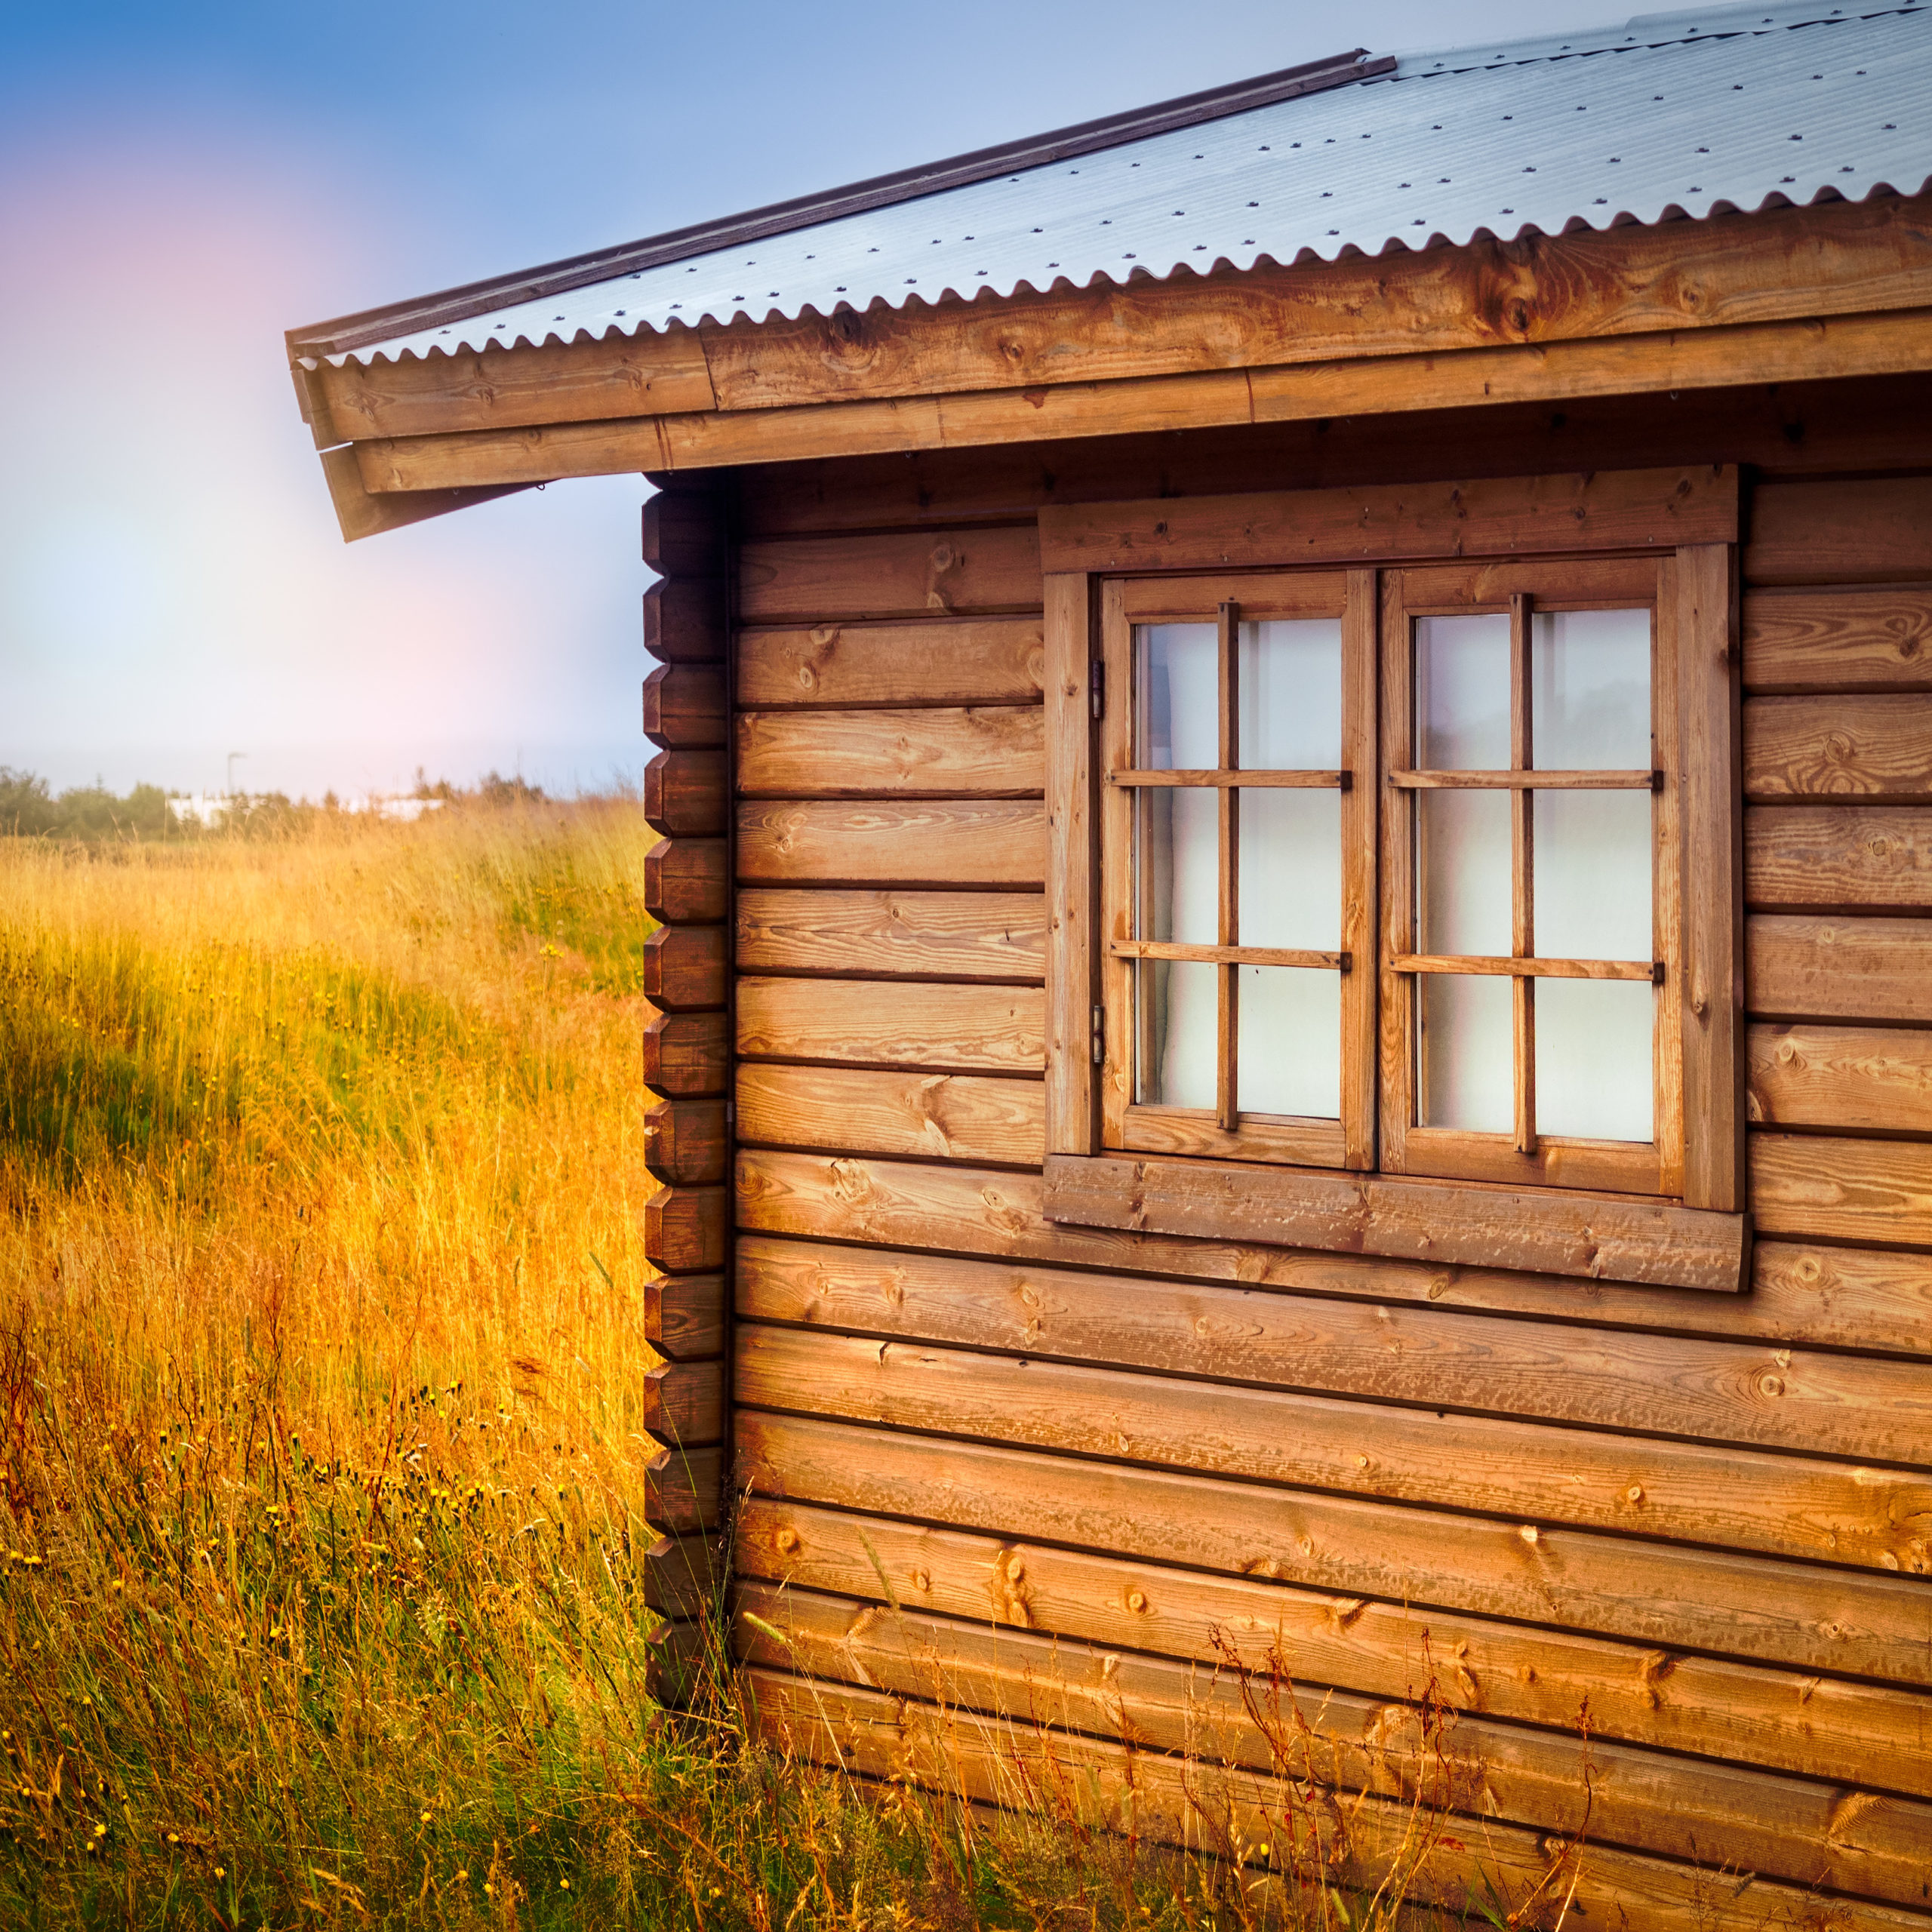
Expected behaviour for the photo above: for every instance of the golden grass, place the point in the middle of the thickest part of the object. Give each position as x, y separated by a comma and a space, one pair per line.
320, 1336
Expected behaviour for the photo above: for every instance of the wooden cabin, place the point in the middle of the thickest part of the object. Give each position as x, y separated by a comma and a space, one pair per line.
1294, 1004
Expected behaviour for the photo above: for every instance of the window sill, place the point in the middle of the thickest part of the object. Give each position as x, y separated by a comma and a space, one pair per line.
1654, 1244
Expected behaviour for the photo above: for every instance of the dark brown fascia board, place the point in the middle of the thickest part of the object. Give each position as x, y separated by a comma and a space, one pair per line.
347, 333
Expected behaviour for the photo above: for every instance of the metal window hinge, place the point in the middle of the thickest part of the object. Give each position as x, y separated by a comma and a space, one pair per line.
1100, 1045
1096, 687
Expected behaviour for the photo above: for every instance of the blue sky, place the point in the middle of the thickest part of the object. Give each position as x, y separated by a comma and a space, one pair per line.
179, 184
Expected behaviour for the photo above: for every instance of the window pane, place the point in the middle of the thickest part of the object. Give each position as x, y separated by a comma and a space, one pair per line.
1289, 687
1174, 1002
1177, 863
1288, 1041
1590, 691
1462, 692
1467, 1067
1291, 870
1594, 1079
1462, 872
1591, 862
1177, 682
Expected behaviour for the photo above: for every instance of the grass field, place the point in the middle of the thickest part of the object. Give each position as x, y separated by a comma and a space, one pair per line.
320, 1164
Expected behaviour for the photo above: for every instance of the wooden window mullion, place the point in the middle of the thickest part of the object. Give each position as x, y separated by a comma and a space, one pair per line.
1228, 989
1522, 878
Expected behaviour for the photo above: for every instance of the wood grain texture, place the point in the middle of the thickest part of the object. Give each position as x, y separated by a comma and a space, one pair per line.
1864, 745
683, 705
684, 1315
684, 621
1778, 1828
1660, 1594
685, 526
1800, 1292
959, 842
983, 660
1073, 862
936, 935
991, 751
1484, 517
687, 1055
1840, 968
1718, 1391
1856, 1077
685, 967
686, 1229
688, 880
1600, 1237
1777, 1506
687, 1142
684, 1403
1831, 1190
1227, 1811
1870, 531
683, 1489
1670, 1699
878, 1022
1831, 856
1838, 640
686, 794
920, 573
681, 1575
950, 1117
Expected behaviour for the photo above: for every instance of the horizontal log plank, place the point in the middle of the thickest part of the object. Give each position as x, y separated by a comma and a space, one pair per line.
1229, 1812
1601, 1237
686, 1229
999, 1029
913, 574
1673, 1700
687, 1142
982, 660
1845, 1077
684, 620
1871, 531
688, 880
686, 966
994, 751
684, 1315
684, 707
1839, 968
684, 1403
952, 1116
1838, 640
687, 1055
936, 935
686, 794
684, 1490
1779, 1506
1800, 1294
1615, 508
1829, 856
681, 1575
985, 842
685, 525
1775, 1827
1830, 1190
1664, 1385
1861, 746
1658, 1595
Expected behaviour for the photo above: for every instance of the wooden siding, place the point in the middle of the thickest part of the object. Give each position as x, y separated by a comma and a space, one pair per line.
1085, 1462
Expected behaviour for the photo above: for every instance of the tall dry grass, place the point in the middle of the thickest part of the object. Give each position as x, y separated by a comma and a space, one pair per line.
320, 1343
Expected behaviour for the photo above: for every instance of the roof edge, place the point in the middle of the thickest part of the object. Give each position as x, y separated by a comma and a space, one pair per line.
346, 334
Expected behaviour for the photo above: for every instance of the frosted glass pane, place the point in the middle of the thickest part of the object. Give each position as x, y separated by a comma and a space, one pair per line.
1462, 692
1590, 691
1594, 1080
1176, 1011
1468, 1067
1288, 1041
1289, 692
1177, 680
1462, 872
1177, 865
1291, 870
1592, 865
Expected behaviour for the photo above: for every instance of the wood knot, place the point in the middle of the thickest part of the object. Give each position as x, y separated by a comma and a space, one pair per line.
1771, 1385
920, 1581
1137, 1602
787, 1539
1634, 1493
1530, 1533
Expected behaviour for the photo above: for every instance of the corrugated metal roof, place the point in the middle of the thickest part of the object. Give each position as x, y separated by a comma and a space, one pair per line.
1690, 113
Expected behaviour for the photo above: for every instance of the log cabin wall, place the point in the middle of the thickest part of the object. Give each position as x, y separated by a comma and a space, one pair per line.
1069, 1475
